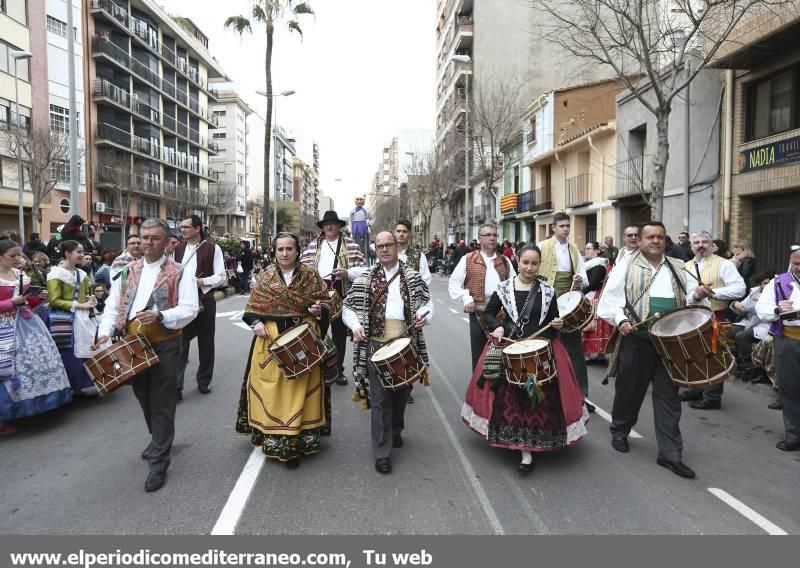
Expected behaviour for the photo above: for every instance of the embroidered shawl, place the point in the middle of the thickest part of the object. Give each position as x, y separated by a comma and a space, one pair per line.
359, 300
165, 289
272, 297
505, 291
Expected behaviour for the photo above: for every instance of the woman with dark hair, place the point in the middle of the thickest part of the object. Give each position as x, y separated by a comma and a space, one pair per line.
103, 274
597, 333
285, 417
545, 417
69, 292
720, 248
32, 377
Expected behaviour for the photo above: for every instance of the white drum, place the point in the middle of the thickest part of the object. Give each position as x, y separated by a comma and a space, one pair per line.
529, 357
398, 364
575, 310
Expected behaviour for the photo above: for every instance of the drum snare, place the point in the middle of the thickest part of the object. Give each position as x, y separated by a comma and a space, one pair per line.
116, 365
398, 364
575, 310
297, 351
529, 357
691, 345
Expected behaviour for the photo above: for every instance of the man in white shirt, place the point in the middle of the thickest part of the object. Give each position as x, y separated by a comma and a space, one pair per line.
204, 260
631, 240
133, 251
651, 283
779, 305
158, 300
411, 255
381, 304
722, 277
475, 279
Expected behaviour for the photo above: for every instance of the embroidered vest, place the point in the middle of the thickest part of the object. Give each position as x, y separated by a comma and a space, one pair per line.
638, 276
783, 283
710, 274
165, 290
412, 257
549, 265
204, 261
475, 281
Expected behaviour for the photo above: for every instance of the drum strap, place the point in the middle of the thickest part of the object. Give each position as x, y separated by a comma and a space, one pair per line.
525, 312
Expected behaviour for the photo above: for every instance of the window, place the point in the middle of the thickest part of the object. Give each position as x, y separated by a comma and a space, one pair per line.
16, 9
59, 120
148, 208
532, 132
219, 113
8, 118
60, 171
773, 105
218, 135
7, 62
56, 26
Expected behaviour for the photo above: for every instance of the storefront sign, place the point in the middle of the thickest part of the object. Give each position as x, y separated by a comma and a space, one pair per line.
779, 153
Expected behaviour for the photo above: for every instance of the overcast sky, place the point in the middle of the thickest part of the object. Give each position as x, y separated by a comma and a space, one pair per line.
363, 70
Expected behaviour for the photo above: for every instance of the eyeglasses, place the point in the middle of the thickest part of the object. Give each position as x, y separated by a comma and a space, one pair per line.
632, 236
386, 246
489, 236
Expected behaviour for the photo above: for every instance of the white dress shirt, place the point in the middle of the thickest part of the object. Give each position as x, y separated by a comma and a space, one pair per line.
751, 319
456, 283
612, 302
424, 271
734, 286
174, 318
394, 304
327, 256
190, 267
765, 308
624, 254
564, 262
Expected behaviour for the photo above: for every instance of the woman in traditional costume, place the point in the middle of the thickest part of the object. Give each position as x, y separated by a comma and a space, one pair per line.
286, 417
540, 419
69, 290
32, 377
598, 332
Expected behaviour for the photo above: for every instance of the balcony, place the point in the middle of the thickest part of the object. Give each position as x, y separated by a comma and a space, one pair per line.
105, 131
146, 111
464, 29
579, 190
631, 179
542, 200
103, 88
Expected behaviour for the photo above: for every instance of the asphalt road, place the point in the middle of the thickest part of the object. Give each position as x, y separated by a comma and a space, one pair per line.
78, 470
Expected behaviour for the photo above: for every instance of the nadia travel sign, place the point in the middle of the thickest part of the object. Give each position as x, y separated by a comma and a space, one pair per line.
776, 154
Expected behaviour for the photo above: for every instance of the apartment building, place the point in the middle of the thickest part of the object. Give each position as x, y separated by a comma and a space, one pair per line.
306, 194
148, 121
229, 194
500, 41
15, 35
761, 126
563, 161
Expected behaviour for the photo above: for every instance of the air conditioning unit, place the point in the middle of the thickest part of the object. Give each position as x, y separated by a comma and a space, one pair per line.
100, 207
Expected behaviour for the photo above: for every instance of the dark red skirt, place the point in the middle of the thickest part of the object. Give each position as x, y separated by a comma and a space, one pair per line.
507, 419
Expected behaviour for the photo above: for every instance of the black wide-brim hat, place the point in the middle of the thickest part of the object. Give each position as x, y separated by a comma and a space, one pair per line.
331, 216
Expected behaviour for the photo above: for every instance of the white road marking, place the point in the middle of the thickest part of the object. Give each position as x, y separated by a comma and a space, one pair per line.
227, 314
465, 319
237, 500
237, 315
243, 325
747, 512
607, 417
483, 499
455, 311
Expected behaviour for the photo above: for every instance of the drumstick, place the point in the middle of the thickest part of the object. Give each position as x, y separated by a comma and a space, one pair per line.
655, 316
541, 331
413, 324
697, 270
692, 275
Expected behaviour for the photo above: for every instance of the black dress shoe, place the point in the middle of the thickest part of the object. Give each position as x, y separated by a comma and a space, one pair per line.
590, 408
293, 463
383, 465
179, 396
777, 405
397, 441
341, 380
706, 404
689, 394
678, 468
620, 444
204, 389
409, 399
784, 446
525, 467
155, 481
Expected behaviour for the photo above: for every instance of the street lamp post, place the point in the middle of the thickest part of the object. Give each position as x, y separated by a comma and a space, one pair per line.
465, 59
17, 55
286, 93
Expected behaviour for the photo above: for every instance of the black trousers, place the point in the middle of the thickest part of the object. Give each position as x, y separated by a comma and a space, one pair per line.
787, 367
387, 410
155, 390
477, 337
639, 365
573, 342
339, 336
202, 328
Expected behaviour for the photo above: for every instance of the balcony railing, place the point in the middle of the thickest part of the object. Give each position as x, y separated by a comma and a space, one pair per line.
579, 190
145, 110
542, 199
119, 136
530, 137
631, 178
103, 88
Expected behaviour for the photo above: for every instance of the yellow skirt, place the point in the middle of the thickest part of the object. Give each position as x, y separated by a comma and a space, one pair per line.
277, 405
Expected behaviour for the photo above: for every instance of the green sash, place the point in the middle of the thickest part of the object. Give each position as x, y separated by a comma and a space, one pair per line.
657, 305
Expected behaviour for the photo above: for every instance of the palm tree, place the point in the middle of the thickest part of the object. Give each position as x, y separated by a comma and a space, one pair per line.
268, 12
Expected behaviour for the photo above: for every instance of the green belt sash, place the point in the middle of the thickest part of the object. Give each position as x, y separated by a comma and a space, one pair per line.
657, 305
562, 282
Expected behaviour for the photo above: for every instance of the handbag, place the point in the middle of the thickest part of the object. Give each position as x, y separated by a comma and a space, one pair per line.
62, 322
